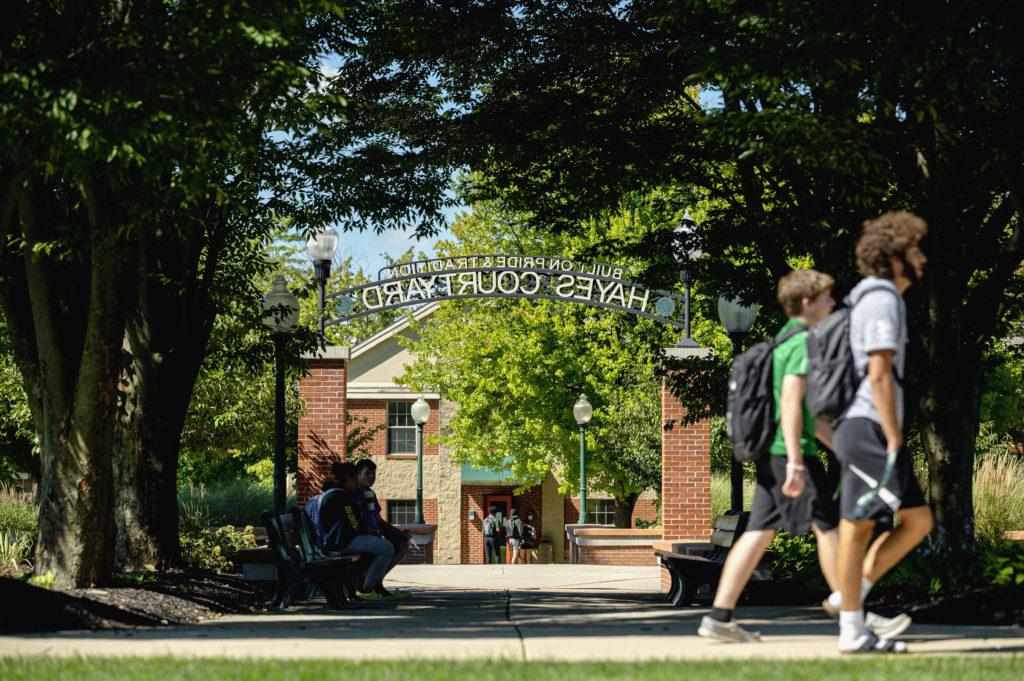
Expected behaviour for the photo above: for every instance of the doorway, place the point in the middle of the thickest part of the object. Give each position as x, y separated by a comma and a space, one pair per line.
503, 502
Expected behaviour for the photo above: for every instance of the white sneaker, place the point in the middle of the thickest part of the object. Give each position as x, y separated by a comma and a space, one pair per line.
869, 644
729, 632
887, 627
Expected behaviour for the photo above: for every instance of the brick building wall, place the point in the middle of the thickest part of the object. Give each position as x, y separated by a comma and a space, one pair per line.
473, 530
614, 555
321, 425
685, 473
376, 413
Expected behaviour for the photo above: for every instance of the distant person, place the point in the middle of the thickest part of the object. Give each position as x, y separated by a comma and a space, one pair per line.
492, 536
877, 479
515, 531
345, 533
401, 540
529, 542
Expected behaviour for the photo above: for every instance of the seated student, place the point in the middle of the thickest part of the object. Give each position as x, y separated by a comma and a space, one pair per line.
345, 532
401, 541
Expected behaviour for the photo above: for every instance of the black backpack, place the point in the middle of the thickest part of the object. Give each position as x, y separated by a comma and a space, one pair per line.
832, 377
749, 418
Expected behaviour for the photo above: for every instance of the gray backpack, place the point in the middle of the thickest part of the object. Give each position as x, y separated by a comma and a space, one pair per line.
489, 526
832, 377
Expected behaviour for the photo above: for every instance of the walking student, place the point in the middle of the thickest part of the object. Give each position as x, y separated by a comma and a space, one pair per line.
492, 536
793, 490
516, 533
877, 476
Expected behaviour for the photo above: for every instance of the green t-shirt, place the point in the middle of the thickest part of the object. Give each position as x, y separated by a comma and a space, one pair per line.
789, 359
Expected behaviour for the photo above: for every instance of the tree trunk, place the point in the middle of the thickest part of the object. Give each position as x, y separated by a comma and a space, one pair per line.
166, 339
624, 510
948, 418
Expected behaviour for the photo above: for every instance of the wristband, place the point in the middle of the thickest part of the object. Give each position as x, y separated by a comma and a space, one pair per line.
795, 467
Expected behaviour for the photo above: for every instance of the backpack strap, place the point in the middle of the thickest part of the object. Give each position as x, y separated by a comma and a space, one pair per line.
871, 289
785, 337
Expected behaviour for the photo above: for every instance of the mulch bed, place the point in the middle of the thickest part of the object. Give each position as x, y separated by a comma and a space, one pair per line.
172, 598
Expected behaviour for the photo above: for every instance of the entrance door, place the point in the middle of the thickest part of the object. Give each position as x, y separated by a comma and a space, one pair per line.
503, 502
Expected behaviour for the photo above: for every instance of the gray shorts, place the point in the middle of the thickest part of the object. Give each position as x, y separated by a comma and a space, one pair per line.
515, 544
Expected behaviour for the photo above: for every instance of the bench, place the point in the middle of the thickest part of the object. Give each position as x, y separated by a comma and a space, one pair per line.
695, 568
302, 569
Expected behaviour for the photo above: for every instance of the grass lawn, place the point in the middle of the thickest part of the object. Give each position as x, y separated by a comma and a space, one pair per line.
910, 668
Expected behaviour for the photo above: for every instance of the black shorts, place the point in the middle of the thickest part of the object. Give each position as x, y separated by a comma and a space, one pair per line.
860, 446
773, 510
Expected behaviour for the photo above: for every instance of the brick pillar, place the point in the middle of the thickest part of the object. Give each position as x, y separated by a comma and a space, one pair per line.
322, 427
685, 473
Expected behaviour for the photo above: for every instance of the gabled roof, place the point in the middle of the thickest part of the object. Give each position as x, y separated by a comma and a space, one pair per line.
384, 335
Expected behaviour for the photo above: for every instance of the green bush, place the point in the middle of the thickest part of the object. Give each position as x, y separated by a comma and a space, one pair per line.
215, 549
1004, 563
796, 560
237, 503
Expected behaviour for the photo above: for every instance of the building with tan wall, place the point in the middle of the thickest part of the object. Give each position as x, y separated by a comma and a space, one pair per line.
357, 388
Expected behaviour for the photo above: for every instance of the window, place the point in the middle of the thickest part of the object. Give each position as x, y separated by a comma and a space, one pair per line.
401, 428
601, 511
401, 512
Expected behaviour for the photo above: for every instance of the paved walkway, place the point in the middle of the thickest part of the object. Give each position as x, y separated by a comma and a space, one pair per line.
522, 612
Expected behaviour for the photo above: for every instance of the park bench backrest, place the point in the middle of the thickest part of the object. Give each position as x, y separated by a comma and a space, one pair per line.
282, 535
304, 528
727, 528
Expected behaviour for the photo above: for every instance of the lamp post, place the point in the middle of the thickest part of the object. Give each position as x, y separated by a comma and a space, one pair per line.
737, 319
281, 316
582, 411
686, 252
420, 414
321, 249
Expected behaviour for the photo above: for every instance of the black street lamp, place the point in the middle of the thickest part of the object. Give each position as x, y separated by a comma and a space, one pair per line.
737, 319
686, 252
321, 249
281, 316
582, 411
420, 415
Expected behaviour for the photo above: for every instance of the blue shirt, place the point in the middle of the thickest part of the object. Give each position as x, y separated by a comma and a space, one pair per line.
367, 499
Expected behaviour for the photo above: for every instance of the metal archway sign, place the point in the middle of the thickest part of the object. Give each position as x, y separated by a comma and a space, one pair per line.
506, 276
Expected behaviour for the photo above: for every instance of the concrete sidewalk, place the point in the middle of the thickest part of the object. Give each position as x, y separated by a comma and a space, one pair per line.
541, 612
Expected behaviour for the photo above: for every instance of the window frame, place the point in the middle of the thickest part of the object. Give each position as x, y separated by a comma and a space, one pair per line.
406, 507
607, 511
396, 414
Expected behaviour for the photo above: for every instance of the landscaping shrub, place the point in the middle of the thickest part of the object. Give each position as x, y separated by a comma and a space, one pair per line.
721, 490
998, 496
215, 549
19, 527
237, 503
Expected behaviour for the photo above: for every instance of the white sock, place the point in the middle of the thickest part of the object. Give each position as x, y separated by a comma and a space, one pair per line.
835, 599
851, 628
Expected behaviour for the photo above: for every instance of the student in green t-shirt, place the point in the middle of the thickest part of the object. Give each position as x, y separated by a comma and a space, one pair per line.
783, 499
794, 491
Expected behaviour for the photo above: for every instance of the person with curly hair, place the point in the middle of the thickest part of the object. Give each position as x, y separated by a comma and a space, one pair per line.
877, 474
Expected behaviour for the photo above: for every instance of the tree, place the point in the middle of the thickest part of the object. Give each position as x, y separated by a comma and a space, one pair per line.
515, 368
811, 122
153, 148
